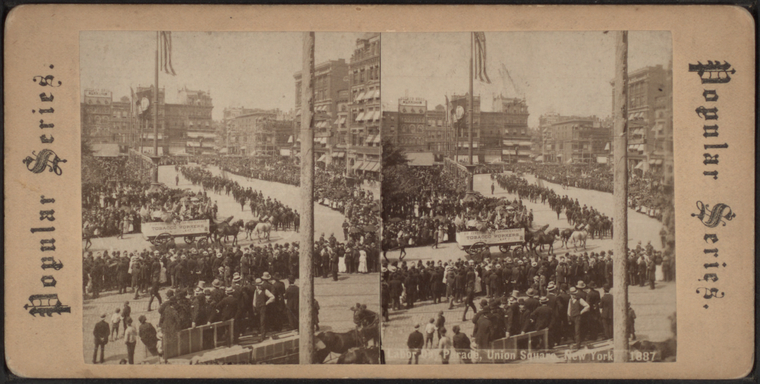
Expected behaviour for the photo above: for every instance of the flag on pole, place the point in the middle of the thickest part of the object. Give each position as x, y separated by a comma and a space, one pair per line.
166, 53
480, 58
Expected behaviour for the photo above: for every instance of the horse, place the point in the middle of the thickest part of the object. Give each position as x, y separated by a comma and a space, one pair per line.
263, 227
249, 226
369, 355
579, 237
565, 236
541, 239
224, 230
335, 342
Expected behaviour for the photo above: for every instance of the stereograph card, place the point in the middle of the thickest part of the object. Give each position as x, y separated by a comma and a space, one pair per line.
500, 191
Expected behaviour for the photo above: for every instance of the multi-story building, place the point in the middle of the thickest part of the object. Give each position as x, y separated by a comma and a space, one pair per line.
96, 117
411, 134
341, 123
511, 118
461, 129
435, 131
190, 127
573, 139
146, 139
364, 150
649, 90
389, 127
183, 127
330, 79
249, 137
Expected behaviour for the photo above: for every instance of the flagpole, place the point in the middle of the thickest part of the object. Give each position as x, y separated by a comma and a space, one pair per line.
155, 111
469, 114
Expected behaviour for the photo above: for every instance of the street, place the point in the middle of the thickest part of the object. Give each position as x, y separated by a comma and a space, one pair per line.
335, 297
653, 307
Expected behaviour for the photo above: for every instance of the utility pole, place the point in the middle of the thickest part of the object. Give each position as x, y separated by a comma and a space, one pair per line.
155, 113
470, 109
305, 327
620, 198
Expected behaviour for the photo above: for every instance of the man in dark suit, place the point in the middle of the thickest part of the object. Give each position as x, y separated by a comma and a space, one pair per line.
606, 304
461, 345
396, 288
543, 318
415, 343
291, 301
101, 333
483, 331
593, 299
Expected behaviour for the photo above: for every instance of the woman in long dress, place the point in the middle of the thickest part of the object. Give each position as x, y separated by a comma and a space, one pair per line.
342, 264
362, 260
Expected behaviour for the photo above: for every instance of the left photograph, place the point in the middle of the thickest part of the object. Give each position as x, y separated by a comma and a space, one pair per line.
192, 231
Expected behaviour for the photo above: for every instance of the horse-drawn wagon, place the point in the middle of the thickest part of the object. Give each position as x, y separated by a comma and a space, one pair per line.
475, 241
159, 233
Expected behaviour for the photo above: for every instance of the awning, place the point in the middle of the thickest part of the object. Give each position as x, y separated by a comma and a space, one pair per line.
508, 152
290, 139
360, 97
360, 117
640, 165
369, 139
284, 152
651, 161
570, 161
357, 165
374, 167
376, 116
337, 121
658, 162
205, 135
376, 139
601, 159
607, 147
342, 120
321, 158
224, 150
540, 158
338, 154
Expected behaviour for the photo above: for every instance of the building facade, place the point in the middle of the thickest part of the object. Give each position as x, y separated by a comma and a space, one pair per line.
649, 94
364, 147
511, 118
575, 140
411, 135
330, 82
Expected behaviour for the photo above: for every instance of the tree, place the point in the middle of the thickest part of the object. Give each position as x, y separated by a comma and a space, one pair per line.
392, 155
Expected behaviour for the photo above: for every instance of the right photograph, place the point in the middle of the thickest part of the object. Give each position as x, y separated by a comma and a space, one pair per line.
527, 198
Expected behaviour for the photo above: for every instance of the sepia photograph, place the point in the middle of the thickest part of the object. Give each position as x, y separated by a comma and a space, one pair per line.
191, 217
501, 195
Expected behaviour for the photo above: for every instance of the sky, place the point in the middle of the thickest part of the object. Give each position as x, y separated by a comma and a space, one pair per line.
251, 69
564, 72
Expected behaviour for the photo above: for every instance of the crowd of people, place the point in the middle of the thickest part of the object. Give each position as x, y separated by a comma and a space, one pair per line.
204, 285
567, 295
440, 206
120, 204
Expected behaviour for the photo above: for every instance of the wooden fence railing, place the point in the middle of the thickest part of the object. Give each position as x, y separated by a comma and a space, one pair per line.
525, 341
201, 338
